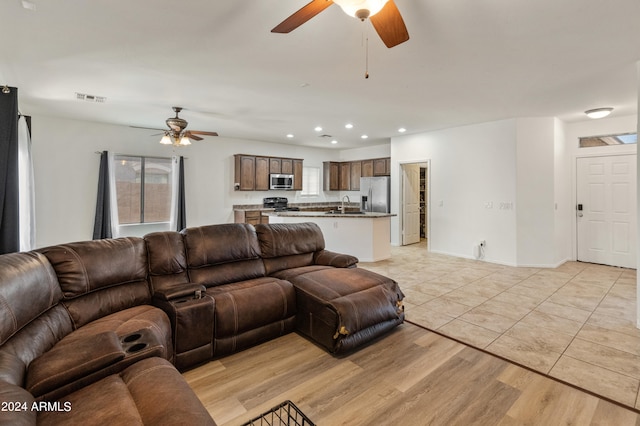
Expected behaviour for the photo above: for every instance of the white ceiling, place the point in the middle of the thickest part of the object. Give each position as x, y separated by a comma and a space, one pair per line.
467, 61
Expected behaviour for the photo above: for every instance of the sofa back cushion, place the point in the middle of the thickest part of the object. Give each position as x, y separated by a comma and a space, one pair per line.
167, 259
100, 277
28, 288
31, 319
222, 254
288, 245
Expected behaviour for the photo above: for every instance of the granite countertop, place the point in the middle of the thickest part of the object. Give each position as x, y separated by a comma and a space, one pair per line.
366, 215
302, 206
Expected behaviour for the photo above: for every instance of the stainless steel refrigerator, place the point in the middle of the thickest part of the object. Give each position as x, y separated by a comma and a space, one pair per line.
375, 194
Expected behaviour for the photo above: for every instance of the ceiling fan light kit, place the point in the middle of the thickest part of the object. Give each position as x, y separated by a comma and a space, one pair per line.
383, 14
177, 135
361, 9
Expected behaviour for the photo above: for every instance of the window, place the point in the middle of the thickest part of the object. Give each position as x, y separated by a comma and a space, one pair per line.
310, 181
609, 140
143, 189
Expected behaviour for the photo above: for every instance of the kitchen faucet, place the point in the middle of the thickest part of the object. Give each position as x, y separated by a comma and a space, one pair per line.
348, 201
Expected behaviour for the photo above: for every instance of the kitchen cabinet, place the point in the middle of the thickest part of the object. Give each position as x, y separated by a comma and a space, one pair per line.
251, 172
245, 172
367, 168
355, 175
252, 217
345, 176
275, 165
287, 166
297, 175
381, 167
262, 174
331, 175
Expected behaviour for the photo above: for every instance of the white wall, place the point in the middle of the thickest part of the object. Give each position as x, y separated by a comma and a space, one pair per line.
66, 173
535, 213
473, 174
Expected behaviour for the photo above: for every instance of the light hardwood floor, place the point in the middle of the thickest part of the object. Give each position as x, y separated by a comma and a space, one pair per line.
410, 377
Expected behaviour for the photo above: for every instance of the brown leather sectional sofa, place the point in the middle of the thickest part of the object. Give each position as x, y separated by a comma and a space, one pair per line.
95, 332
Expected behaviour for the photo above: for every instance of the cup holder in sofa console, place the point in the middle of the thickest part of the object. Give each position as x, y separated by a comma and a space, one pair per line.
131, 338
137, 347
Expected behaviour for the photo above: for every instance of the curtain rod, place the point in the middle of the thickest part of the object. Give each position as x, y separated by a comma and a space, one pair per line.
147, 156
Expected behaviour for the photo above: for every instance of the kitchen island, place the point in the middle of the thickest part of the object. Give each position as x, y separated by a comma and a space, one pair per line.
364, 235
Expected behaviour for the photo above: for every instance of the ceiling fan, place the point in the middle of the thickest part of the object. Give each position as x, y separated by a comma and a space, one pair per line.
177, 135
383, 14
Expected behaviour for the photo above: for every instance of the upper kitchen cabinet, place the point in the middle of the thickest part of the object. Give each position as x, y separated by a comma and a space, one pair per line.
252, 171
367, 168
382, 167
345, 175
245, 172
331, 174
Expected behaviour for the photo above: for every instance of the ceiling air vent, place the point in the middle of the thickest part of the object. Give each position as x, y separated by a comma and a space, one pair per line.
90, 98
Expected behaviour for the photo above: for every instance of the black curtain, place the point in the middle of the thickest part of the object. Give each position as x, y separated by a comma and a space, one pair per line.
9, 207
182, 209
102, 222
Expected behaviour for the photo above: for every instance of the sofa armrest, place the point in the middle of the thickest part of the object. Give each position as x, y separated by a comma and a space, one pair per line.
337, 260
178, 291
68, 362
18, 410
12, 369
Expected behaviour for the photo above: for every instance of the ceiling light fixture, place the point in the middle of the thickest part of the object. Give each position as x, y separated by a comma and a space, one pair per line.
318, 129
334, 142
402, 130
364, 137
348, 126
361, 9
290, 135
598, 112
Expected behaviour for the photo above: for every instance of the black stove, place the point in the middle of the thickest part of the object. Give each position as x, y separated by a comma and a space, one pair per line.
280, 204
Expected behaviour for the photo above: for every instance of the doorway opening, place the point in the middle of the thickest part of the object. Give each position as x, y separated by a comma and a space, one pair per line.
414, 202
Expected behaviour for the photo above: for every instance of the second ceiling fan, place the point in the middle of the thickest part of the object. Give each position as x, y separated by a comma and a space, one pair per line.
383, 14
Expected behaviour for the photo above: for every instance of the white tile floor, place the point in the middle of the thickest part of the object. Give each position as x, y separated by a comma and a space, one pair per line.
576, 322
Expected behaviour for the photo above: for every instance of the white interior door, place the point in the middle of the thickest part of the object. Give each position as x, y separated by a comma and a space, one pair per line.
411, 204
606, 210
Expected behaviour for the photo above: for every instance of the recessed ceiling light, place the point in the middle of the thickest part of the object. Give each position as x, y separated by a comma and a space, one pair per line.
334, 141
364, 137
402, 130
348, 126
598, 112
318, 129
289, 135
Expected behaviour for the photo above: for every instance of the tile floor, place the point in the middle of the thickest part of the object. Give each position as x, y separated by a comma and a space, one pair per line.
575, 322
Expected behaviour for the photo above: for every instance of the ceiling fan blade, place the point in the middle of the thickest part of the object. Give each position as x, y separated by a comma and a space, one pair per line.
390, 25
190, 135
200, 132
301, 16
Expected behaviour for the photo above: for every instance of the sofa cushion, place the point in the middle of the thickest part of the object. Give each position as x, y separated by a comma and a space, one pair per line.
221, 254
100, 277
167, 259
150, 392
280, 239
251, 312
28, 288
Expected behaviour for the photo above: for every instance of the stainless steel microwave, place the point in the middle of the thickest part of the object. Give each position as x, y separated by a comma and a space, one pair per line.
280, 181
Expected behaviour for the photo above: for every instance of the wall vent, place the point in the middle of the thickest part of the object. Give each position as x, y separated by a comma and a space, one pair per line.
90, 98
